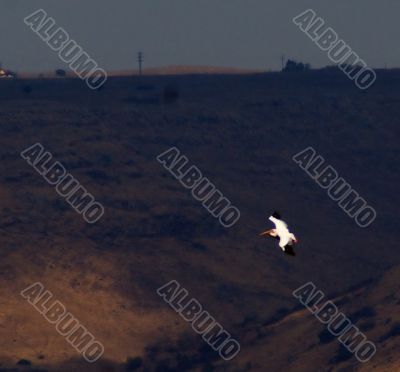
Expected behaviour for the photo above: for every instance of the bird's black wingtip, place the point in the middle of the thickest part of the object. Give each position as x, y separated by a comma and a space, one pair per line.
276, 215
289, 251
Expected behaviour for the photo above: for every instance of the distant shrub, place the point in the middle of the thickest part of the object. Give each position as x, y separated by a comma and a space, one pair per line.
145, 88
99, 175
393, 332
185, 363
149, 100
27, 89
60, 205
170, 94
342, 355
24, 362
132, 364
325, 337
100, 88
163, 367
365, 312
276, 103
199, 246
208, 367
106, 159
60, 72
282, 311
173, 225
367, 326
292, 65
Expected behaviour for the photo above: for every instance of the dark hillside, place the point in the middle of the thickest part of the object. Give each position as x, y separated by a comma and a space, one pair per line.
241, 132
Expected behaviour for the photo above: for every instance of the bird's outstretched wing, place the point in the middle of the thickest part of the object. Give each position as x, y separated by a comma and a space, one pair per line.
279, 224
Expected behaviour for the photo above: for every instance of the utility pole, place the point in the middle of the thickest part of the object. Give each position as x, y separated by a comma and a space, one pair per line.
140, 60
283, 61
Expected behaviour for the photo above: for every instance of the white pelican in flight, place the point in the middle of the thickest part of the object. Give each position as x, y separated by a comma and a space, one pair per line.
281, 232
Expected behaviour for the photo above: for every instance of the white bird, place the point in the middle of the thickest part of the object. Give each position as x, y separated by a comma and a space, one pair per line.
281, 232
